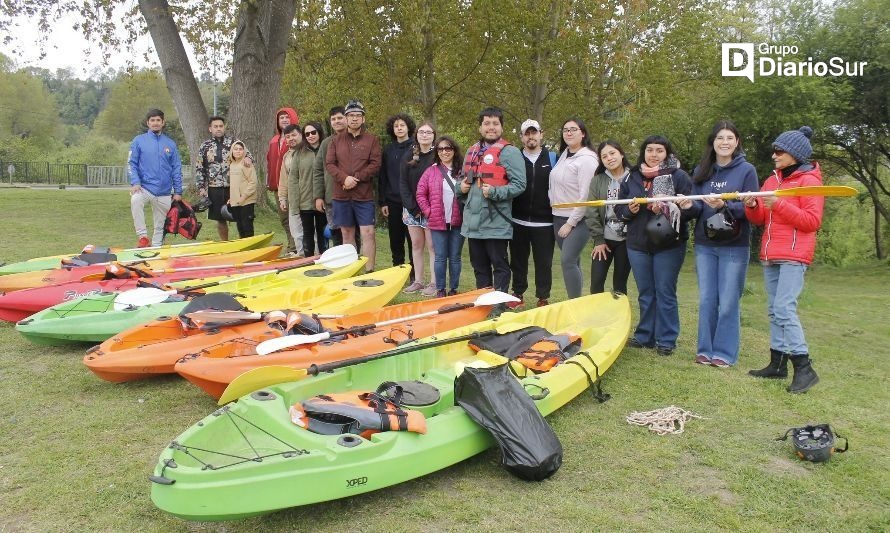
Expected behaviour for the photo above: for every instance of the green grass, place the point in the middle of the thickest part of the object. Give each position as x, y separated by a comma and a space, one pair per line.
77, 450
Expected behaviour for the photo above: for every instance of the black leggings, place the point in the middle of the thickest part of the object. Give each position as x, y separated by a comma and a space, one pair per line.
313, 229
599, 269
243, 215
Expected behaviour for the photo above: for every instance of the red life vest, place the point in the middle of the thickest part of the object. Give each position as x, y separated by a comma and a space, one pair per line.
181, 219
484, 166
360, 413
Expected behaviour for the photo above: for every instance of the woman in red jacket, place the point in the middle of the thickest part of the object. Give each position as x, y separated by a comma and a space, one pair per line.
438, 202
789, 241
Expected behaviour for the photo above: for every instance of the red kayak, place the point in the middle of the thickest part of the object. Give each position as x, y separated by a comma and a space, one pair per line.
17, 305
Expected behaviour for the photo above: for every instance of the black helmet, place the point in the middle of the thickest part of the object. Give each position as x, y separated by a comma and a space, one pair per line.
202, 204
226, 214
814, 443
722, 226
660, 232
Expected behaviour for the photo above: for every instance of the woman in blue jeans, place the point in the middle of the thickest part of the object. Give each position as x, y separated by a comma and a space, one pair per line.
722, 244
656, 242
789, 224
438, 202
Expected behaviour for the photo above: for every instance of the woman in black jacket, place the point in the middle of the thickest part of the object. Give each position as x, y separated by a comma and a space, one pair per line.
656, 242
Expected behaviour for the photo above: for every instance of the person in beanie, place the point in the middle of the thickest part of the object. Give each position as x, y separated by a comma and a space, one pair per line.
789, 241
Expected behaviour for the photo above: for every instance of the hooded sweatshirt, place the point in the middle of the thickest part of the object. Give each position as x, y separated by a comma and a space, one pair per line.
390, 170
570, 182
739, 175
277, 148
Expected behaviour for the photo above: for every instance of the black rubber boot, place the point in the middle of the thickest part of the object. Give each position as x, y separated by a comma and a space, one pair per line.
804, 375
776, 369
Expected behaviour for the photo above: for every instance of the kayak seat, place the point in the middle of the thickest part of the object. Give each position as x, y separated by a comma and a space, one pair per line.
360, 413
87, 259
533, 347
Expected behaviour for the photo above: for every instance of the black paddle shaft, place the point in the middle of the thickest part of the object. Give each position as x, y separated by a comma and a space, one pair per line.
215, 283
366, 327
314, 370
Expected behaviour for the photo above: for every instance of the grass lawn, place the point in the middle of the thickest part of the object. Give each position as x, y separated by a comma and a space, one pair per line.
78, 450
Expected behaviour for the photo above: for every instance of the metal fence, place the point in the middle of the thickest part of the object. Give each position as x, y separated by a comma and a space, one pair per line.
39, 173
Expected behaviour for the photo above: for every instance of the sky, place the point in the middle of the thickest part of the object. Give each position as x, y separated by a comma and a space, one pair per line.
66, 47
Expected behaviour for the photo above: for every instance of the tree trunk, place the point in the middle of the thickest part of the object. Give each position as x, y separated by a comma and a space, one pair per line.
543, 57
177, 71
264, 30
879, 248
428, 72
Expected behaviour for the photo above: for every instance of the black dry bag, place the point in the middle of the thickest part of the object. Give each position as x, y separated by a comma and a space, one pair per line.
495, 400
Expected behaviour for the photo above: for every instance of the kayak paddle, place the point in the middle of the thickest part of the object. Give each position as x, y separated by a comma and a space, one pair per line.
263, 376
815, 190
289, 341
213, 315
338, 256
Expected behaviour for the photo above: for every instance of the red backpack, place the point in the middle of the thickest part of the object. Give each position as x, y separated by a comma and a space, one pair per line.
181, 219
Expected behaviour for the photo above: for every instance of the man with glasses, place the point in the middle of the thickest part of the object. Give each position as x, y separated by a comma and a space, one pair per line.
533, 218
353, 160
323, 179
493, 175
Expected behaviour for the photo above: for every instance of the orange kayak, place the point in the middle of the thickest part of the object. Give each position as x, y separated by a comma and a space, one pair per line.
42, 278
212, 358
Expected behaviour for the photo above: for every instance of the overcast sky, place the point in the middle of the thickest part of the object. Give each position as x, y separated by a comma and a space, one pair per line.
67, 48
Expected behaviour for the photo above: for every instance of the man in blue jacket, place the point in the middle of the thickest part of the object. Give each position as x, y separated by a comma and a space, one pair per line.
155, 171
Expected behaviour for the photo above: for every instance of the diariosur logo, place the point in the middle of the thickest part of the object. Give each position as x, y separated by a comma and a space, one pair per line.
738, 60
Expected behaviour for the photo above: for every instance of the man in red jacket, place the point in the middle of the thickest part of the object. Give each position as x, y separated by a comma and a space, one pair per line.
277, 148
353, 159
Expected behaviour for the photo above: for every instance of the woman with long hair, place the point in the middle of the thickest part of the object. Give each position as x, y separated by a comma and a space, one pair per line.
656, 242
416, 161
570, 182
607, 230
439, 204
722, 244
307, 190
400, 129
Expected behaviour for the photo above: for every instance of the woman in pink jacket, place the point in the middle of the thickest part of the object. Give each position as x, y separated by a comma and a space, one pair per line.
439, 204
786, 248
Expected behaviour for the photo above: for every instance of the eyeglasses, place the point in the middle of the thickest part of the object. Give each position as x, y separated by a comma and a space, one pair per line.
313, 132
426, 132
778, 152
570, 130
445, 149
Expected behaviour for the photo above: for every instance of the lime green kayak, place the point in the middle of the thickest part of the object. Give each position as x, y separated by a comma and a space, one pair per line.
154, 252
95, 319
249, 457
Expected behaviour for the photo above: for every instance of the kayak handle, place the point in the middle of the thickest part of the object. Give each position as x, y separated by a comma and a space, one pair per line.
161, 480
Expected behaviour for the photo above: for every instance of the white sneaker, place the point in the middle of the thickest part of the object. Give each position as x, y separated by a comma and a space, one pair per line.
414, 287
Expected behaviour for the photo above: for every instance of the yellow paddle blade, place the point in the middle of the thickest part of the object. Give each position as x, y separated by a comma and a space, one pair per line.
258, 378
818, 190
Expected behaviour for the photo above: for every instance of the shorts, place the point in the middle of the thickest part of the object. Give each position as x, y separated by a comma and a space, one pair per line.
218, 198
351, 213
409, 220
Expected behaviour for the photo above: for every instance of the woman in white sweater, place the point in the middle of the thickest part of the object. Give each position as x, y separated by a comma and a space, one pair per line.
570, 182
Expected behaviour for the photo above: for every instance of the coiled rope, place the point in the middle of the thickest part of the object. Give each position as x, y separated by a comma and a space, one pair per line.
664, 421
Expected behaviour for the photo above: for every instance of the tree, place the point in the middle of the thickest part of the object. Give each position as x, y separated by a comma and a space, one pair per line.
27, 109
262, 31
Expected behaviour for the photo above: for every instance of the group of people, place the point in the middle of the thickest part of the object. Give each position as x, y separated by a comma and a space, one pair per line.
506, 202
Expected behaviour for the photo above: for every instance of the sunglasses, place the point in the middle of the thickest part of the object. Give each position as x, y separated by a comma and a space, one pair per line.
778, 152
313, 132
445, 149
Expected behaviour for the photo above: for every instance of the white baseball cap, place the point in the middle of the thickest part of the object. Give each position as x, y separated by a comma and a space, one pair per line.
529, 124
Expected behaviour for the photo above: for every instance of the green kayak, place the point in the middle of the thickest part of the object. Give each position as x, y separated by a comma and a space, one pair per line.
95, 319
249, 457
154, 252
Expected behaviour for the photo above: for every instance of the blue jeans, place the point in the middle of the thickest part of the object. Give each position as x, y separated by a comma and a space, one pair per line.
784, 282
721, 281
447, 245
656, 276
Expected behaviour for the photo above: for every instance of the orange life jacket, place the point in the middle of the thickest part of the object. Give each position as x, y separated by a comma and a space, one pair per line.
484, 166
119, 271
533, 347
360, 413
